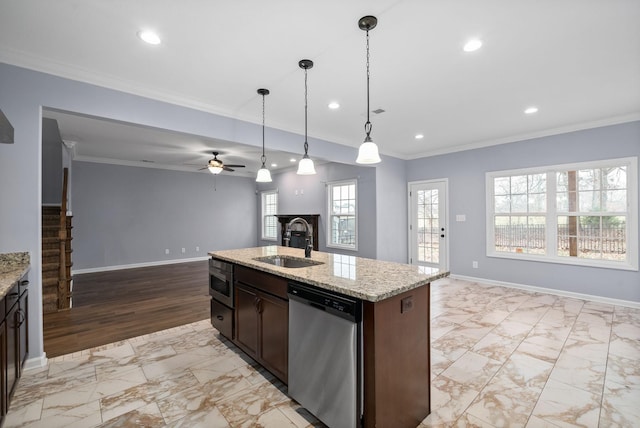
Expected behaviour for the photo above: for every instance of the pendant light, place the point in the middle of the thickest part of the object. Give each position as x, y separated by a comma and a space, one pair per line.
305, 166
368, 152
264, 176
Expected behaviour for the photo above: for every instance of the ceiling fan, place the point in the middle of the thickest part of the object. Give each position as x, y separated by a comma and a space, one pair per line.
216, 166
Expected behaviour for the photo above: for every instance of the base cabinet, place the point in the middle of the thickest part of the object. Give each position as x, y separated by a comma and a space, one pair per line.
14, 339
262, 319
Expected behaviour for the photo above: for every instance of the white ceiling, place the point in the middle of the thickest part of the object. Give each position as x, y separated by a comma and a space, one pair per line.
578, 61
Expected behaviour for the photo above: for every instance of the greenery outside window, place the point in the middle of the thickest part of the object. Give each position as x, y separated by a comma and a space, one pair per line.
584, 214
343, 224
269, 220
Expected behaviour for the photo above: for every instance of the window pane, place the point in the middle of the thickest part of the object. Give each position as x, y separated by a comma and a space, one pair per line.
615, 178
589, 179
615, 200
537, 203
538, 183
519, 203
501, 186
589, 201
502, 204
518, 184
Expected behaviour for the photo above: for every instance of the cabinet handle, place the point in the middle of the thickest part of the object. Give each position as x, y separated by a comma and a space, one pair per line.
25, 282
220, 317
260, 306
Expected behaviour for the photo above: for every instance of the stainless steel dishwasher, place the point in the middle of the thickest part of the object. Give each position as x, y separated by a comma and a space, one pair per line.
324, 354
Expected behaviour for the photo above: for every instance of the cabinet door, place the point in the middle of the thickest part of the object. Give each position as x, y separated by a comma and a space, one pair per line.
247, 320
12, 349
274, 334
23, 327
4, 393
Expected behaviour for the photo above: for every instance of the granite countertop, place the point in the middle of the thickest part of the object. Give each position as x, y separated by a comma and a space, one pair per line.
367, 279
12, 267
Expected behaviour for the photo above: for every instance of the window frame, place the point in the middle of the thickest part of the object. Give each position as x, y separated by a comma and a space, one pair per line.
552, 213
330, 215
263, 196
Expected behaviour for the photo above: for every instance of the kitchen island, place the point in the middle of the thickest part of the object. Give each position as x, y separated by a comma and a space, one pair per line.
394, 331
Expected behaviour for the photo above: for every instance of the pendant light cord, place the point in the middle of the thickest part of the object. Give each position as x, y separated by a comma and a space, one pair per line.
306, 144
263, 158
367, 125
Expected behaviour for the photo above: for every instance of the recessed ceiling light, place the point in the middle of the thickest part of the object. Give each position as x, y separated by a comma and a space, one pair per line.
334, 105
293, 160
531, 110
472, 45
150, 37
273, 165
419, 136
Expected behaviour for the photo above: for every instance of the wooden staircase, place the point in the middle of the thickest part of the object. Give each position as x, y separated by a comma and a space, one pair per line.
56, 256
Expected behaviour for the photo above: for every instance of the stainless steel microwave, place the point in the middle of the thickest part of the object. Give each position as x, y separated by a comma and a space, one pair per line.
221, 281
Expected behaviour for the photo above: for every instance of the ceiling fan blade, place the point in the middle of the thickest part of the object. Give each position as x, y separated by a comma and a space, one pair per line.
234, 166
203, 168
226, 168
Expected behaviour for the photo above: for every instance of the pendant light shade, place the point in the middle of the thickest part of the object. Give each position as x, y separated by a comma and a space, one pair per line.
264, 176
368, 152
215, 169
305, 166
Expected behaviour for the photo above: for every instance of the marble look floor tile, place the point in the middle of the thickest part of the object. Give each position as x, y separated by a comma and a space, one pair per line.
502, 403
625, 340
580, 373
620, 406
526, 371
245, 408
146, 416
141, 395
496, 347
472, 370
566, 405
449, 399
623, 371
197, 378
592, 351
513, 329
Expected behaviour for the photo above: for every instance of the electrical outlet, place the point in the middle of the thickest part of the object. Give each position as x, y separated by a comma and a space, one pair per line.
406, 304
475, 264
461, 217
166, 251
184, 250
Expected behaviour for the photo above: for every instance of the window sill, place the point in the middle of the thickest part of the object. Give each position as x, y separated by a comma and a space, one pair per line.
565, 261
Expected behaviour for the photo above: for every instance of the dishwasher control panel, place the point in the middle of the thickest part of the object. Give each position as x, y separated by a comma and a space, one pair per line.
337, 304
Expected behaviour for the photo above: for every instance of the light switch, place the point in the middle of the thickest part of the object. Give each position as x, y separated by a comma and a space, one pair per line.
461, 217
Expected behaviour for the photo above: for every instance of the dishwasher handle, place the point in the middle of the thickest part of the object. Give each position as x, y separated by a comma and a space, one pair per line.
346, 307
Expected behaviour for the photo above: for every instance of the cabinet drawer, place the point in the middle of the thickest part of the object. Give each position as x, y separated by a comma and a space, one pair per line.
262, 281
222, 318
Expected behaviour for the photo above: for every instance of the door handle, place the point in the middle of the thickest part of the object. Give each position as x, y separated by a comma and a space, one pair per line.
442, 236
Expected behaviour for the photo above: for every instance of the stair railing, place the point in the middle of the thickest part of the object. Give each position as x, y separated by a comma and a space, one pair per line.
64, 294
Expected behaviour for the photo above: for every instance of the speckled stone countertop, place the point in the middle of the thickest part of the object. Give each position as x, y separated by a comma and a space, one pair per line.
367, 279
12, 267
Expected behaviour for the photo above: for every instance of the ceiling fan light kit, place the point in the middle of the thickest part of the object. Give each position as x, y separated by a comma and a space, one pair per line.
216, 166
368, 151
264, 176
305, 166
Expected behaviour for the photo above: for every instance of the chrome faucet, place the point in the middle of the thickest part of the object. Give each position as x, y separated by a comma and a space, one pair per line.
307, 236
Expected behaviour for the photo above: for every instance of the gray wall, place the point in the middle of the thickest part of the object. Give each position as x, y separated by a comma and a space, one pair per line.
466, 173
23, 95
126, 215
51, 162
392, 210
299, 194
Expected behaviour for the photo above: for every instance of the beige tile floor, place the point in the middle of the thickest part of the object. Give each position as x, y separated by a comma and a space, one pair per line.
500, 357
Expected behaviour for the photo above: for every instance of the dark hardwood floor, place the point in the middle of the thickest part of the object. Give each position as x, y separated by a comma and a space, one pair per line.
117, 305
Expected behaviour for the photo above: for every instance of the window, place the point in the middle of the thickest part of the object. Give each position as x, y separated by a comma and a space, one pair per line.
583, 214
269, 220
342, 228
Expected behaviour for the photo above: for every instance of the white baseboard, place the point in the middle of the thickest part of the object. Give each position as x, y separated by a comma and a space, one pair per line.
137, 265
36, 362
589, 297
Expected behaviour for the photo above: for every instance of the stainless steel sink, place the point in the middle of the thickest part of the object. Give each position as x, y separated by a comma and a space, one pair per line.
288, 261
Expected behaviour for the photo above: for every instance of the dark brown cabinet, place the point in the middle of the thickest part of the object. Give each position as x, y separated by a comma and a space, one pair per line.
14, 339
262, 319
